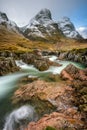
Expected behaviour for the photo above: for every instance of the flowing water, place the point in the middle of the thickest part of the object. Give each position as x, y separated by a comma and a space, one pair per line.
9, 83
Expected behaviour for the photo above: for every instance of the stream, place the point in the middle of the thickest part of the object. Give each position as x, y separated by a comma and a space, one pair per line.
9, 83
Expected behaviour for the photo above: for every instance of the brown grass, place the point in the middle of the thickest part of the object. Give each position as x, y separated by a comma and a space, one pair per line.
12, 41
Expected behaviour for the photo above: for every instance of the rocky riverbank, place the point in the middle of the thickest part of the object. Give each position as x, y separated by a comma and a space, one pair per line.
78, 55
7, 65
64, 102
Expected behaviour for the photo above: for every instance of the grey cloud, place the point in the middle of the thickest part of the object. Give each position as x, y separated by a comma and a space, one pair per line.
21, 11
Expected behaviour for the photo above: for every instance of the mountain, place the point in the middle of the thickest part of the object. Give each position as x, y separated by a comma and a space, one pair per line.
11, 38
42, 27
83, 31
39, 33
68, 29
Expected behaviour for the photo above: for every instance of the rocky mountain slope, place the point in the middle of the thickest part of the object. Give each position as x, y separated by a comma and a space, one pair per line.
10, 25
42, 26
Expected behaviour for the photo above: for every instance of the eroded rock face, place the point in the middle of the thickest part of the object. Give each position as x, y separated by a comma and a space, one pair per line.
57, 121
7, 65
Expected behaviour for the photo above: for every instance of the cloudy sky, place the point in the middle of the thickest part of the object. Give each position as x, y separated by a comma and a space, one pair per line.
21, 11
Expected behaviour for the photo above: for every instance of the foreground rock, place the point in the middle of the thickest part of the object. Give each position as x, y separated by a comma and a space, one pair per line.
57, 121
73, 73
64, 99
7, 65
48, 97
54, 95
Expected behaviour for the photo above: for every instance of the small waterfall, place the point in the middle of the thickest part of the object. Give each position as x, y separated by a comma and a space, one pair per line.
20, 117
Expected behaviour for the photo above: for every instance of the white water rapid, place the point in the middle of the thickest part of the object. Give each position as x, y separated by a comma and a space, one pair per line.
19, 116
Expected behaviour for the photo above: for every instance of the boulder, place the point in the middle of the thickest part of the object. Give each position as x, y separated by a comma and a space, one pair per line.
73, 73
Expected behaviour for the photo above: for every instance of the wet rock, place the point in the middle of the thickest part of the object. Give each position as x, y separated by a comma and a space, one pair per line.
42, 64
73, 73
7, 65
57, 121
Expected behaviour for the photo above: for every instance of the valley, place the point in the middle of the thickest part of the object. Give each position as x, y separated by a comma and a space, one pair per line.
43, 75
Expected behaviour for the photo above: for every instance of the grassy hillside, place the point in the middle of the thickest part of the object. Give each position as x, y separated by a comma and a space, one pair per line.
12, 41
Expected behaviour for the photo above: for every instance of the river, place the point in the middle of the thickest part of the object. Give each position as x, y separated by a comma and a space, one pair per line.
9, 83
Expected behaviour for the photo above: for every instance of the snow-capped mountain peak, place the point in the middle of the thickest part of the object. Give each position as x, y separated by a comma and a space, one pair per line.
68, 29
41, 26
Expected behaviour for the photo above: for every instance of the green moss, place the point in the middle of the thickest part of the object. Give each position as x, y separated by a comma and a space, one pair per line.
50, 128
